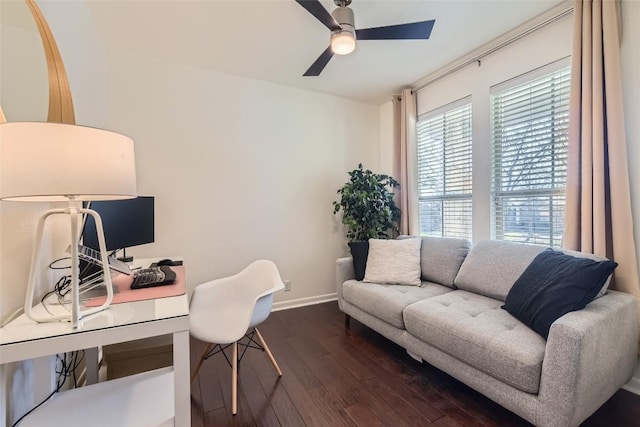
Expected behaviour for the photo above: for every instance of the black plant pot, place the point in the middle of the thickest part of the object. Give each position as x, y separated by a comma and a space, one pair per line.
359, 252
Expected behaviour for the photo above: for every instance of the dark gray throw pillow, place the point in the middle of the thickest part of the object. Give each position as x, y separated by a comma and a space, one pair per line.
555, 284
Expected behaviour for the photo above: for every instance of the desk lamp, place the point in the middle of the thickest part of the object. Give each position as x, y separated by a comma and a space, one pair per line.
53, 162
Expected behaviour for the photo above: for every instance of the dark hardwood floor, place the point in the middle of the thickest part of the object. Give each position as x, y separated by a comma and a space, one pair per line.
334, 376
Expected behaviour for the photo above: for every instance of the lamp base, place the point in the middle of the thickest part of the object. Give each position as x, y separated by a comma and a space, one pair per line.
76, 313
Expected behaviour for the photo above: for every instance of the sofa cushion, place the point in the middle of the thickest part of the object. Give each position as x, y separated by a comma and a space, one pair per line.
394, 262
493, 266
441, 258
387, 302
553, 285
474, 329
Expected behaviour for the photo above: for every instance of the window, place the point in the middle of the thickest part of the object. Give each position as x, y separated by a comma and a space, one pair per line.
444, 171
529, 134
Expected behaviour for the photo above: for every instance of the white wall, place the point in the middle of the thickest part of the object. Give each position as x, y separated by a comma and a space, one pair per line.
241, 169
386, 139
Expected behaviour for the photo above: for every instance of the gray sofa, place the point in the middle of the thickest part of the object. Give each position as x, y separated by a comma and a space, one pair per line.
454, 321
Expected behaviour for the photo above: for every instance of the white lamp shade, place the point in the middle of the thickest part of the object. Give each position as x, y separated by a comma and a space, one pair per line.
42, 162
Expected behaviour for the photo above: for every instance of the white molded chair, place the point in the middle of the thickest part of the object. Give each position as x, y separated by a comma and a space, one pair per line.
224, 311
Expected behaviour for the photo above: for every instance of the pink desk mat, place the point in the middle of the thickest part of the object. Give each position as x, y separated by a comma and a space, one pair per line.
125, 294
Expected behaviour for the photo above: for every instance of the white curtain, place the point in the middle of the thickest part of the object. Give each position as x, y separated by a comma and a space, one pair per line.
598, 216
405, 161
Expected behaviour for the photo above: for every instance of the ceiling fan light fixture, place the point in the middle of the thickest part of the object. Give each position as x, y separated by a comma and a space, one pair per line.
343, 37
343, 42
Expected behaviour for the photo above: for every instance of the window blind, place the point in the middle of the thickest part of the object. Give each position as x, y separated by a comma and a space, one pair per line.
529, 132
444, 171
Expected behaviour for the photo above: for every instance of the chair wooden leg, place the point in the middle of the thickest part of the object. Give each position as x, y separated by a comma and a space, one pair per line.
195, 373
347, 318
268, 353
234, 380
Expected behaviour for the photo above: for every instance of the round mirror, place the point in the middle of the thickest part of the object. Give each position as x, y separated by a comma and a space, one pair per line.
24, 86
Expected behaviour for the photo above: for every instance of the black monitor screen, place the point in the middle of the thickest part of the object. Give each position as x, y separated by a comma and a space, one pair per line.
126, 223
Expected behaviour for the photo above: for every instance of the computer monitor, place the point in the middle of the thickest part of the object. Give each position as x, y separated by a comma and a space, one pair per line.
126, 223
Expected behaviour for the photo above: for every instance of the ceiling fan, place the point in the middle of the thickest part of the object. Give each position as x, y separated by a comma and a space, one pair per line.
344, 34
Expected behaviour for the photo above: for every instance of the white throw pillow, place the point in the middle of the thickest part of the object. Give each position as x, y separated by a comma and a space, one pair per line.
394, 262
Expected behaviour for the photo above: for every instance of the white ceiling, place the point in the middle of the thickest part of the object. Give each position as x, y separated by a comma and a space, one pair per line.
277, 40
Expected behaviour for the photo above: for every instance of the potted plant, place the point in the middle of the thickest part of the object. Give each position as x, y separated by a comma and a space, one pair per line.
368, 212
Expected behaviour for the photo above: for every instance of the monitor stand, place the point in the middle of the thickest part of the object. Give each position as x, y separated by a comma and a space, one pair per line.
124, 257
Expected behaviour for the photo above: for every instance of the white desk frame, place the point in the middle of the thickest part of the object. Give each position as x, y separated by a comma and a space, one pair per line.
23, 339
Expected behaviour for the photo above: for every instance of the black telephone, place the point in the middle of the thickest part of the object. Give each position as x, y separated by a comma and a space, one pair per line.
153, 276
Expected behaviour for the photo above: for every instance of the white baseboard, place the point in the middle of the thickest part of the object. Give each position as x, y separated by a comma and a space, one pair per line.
633, 386
301, 302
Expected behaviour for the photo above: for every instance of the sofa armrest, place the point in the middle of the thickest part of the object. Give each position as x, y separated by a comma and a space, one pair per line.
344, 272
589, 355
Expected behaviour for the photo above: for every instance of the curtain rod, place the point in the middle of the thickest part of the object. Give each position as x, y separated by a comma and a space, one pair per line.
478, 57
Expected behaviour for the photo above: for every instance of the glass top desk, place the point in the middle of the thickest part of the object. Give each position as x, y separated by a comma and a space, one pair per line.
23, 339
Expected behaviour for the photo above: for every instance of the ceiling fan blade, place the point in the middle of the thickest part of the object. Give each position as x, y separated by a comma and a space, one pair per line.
320, 13
322, 61
413, 31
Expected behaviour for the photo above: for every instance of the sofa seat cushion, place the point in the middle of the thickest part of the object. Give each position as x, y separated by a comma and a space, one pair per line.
474, 329
387, 302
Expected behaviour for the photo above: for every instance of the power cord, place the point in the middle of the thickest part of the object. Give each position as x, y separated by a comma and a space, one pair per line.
68, 363
53, 266
62, 287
